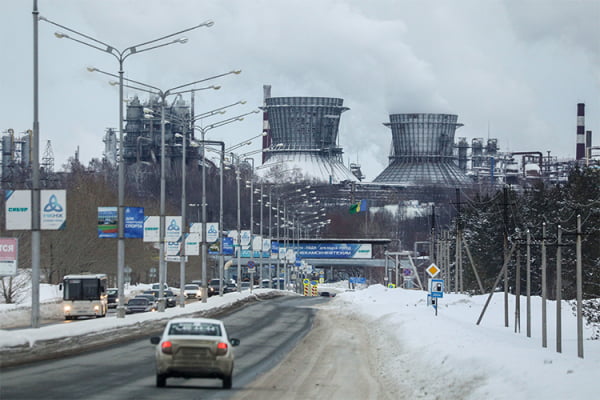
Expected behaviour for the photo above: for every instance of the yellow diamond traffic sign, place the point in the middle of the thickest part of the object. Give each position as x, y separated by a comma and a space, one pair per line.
432, 270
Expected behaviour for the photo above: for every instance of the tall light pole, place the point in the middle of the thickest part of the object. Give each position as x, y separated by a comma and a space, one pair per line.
239, 226
203, 131
251, 220
121, 56
163, 94
35, 180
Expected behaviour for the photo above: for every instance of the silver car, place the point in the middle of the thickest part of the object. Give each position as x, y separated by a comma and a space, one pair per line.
194, 348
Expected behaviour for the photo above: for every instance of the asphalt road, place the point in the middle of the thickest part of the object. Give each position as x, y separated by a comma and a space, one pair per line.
269, 330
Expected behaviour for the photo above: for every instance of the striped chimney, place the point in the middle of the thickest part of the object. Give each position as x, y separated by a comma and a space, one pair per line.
580, 150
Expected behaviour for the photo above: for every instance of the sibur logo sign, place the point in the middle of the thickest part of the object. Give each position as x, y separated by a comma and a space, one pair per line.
53, 209
54, 213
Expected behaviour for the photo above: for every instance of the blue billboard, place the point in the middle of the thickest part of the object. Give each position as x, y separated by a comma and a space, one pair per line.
333, 250
134, 222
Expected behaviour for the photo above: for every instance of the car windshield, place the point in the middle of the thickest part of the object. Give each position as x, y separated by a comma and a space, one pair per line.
111, 292
195, 328
191, 287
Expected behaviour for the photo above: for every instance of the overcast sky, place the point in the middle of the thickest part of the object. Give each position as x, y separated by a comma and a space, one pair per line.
510, 69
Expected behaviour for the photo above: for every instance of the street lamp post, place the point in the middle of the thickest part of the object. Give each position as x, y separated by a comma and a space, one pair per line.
163, 95
121, 56
203, 131
251, 220
239, 227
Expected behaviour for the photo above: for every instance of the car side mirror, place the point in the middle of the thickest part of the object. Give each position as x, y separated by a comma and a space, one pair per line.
155, 339
234, 342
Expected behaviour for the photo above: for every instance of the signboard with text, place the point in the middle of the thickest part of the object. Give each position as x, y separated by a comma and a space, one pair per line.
53, 215
9, 252
18, 209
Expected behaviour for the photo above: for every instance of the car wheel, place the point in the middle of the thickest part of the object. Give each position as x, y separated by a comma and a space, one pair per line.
227, 382
161, 380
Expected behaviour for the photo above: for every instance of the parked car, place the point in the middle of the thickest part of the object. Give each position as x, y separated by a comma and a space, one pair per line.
171, 299
192, 291
327, 294
112, 297
194, 348
245, 285
139, 304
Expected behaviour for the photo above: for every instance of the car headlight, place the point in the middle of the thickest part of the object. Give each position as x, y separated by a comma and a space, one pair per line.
96, 308
67, 307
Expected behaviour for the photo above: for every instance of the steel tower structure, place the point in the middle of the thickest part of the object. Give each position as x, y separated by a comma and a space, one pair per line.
422, 151
303, 135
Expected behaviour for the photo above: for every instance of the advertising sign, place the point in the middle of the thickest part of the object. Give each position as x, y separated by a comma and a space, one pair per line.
245, 238
212, 232
228, 246
266, 245
9, 251
173, 229
196, 227
172, 248
107, 222
192, 244
18, 209
234, 236
214, 248
274, 249
334, 250
152, 229
134, 222
53, 215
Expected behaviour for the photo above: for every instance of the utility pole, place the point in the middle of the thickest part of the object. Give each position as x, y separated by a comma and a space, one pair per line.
432, 248
458, 272
544, 293
579, 284
558, 290
505, 190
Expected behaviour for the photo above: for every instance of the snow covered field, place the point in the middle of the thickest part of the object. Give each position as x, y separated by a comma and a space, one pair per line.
443, 356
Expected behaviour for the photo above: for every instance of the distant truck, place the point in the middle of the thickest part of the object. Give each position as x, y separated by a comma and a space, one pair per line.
85, 295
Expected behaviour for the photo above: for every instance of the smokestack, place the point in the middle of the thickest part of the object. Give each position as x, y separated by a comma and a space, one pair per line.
266, 140
580, 150
588, 144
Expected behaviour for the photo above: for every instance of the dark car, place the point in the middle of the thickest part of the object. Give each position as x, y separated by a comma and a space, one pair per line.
327, 294
214, 286
139, 304
230, 287
112, 297
171, 299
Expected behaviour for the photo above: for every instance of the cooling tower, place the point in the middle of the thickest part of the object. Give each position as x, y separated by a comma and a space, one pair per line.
303, 132
422, 153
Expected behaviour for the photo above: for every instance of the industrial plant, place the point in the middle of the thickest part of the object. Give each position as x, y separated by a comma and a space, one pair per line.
301, 139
